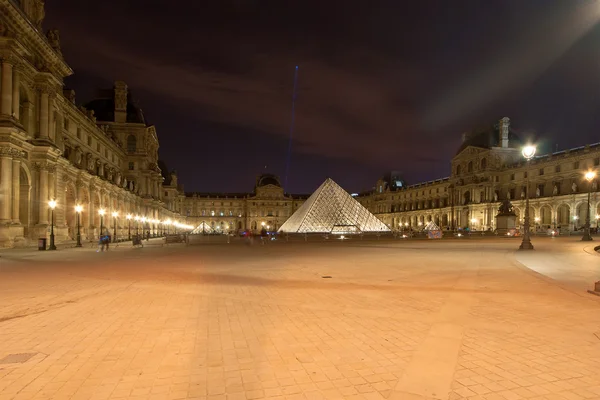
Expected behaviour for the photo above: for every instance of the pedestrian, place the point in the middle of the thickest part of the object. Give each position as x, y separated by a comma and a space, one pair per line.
263, 236
102, 243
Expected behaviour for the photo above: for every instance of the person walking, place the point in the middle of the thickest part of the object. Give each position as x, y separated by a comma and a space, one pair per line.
263, 236
103, 242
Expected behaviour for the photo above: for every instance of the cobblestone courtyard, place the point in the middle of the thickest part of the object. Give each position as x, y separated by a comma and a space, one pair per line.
334, 320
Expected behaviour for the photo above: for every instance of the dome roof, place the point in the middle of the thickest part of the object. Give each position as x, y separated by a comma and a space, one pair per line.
104, 110
268, 179
487, 138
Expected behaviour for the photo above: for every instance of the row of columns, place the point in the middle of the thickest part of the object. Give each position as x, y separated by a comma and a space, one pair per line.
10, 82
9, 92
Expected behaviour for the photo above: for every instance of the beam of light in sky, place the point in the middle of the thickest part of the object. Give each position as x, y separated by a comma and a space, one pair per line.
539, 45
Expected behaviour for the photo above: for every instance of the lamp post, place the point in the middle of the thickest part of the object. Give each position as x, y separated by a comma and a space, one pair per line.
78, 210
128, 226
52, 205
143, 219
101, 211
589, 176
528, 152
115, 214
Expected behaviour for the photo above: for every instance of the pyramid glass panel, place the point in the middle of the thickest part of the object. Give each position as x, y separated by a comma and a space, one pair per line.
203, 228
330, 209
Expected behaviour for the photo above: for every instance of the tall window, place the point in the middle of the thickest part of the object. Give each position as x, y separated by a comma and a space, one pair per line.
131, 144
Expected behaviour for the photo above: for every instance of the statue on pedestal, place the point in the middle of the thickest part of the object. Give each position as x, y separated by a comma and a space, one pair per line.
506, 208
506, 218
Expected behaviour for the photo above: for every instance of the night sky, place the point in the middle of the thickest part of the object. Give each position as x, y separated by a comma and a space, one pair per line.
383, 85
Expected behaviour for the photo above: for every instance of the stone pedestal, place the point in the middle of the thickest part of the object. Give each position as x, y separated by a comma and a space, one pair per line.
505, 222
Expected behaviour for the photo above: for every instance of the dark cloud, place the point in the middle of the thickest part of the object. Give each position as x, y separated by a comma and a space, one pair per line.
382, 85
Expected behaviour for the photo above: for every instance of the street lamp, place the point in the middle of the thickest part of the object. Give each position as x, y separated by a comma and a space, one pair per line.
589, 176
528, 153
128, 226
101, 211
52, 205
115, 214
78, 210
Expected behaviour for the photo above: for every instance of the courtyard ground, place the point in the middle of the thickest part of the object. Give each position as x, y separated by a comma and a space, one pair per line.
456, 319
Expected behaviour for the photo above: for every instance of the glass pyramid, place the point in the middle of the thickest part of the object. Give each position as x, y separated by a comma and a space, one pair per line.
330, 209
202, 228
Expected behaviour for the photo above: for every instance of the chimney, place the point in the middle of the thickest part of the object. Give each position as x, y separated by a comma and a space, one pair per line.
504, 127
120, 101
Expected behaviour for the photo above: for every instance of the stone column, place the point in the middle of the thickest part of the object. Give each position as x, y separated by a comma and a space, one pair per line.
5, 185
7, 88
43, 114
16, 94
43, 196
51, 120
16, 189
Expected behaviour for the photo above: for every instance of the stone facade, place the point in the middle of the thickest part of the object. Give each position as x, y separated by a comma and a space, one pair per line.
52, 149
487, 169
232, 212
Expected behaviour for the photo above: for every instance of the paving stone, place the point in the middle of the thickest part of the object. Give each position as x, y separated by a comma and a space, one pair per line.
253, 322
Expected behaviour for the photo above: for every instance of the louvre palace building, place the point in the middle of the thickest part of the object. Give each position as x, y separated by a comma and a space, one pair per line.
489, 168
103, 157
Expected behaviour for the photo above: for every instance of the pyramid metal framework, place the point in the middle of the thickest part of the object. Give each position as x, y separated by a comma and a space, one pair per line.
203, 228
431, 226
330, 209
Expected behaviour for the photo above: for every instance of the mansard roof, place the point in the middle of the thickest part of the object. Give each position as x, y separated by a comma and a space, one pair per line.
104, 108
488, 137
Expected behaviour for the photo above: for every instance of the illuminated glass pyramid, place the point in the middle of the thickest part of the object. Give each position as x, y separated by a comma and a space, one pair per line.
202, 228
330, 209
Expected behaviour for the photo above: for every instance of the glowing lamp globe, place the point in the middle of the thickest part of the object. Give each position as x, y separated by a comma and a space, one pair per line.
590, 175
528, 152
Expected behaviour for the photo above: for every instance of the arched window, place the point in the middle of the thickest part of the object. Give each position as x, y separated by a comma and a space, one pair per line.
458, 170
470, 166
131, 144
483, 163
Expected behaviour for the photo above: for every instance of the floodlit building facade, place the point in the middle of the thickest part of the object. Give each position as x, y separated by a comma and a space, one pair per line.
266, 206
487, 169
101, 156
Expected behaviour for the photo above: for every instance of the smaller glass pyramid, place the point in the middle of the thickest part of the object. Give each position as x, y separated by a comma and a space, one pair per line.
203, 228
330, 209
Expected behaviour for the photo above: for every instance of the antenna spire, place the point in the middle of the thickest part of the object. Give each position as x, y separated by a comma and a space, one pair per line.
289, 155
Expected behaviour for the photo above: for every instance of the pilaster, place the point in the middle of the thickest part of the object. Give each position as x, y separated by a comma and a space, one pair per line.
6, 91
16, 190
